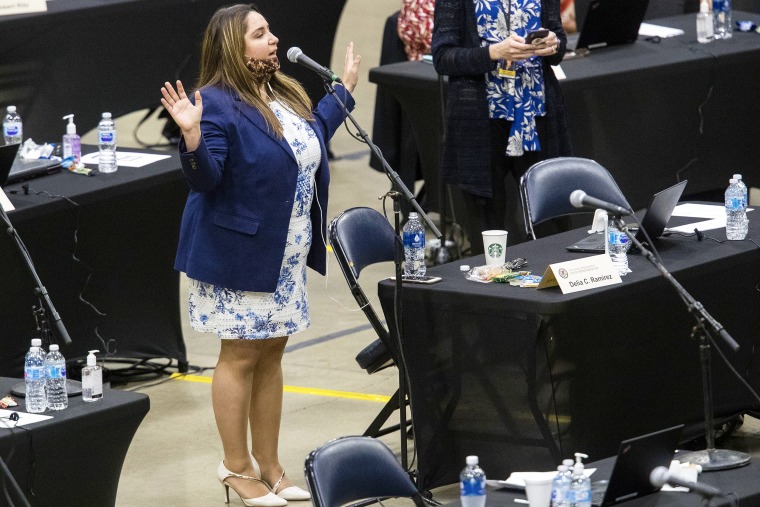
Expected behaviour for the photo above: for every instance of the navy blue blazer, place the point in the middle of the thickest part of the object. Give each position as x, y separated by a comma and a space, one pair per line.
242, 186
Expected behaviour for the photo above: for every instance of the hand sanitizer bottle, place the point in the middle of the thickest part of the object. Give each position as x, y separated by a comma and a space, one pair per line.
704, 23
92, 379
71, 143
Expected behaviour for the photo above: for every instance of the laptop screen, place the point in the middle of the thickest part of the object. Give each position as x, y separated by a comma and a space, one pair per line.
609, 22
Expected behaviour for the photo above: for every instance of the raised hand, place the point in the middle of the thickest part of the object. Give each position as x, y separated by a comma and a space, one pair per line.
351, 68
186, 114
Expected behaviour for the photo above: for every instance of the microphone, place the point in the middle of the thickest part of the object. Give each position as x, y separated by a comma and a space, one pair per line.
661, 475
580, 199
295, 55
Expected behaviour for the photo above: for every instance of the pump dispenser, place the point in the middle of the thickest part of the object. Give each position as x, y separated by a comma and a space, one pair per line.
71, 142
92, 379
579, 458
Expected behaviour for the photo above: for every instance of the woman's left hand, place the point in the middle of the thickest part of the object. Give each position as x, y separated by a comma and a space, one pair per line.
351, 68
548, 46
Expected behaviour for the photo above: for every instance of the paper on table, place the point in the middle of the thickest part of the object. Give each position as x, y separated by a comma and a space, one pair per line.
650, 30
517, 479
24, 418
127, 158
5, 202
714, 214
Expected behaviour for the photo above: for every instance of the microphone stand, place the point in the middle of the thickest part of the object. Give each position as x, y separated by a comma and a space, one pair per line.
710, 458
398, 290
73, 387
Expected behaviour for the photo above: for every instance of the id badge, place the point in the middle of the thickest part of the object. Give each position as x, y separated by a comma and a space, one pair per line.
506, 69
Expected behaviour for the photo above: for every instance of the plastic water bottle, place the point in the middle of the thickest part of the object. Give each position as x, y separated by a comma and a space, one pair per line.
579, 491
722, 17
618, 245
107, 145
414, 247
741, 184
55, 378
13, 130
736, 211
560, 487
34, 378
472, 484
705, 23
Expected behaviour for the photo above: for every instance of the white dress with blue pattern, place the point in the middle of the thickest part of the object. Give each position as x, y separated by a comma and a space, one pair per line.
236, 314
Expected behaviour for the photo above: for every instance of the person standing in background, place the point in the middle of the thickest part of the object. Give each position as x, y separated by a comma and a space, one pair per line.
415, 27
504, 109
255, 158
567, 13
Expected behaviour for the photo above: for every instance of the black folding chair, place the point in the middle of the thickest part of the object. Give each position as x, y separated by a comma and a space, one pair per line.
546, 186
361, 237
351, 469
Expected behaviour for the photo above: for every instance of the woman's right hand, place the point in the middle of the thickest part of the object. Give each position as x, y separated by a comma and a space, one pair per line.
512, 49
186, 115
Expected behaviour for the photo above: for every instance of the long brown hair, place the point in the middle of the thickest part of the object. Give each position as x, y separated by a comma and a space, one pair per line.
223, 63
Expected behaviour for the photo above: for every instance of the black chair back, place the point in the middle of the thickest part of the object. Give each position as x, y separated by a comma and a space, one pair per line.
546, 186
351, 469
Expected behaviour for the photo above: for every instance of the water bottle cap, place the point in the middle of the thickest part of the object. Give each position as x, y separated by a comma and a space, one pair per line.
54, 347
11, 109
464, 267
413, 215
471, 460
106, 115
567, 462
36, 342
732, 181
737, 177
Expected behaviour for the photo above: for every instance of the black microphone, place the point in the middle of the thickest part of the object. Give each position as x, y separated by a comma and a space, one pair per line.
662, 475
580, 199
295, 55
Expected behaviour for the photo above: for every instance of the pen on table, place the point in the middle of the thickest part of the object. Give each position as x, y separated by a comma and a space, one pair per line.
521, 500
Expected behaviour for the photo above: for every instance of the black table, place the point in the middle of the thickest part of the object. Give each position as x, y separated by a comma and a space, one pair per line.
75, 458
635, 109
523, 377
128, 225
741, 481
89, 56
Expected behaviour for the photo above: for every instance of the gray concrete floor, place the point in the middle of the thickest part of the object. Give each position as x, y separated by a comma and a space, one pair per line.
174, 455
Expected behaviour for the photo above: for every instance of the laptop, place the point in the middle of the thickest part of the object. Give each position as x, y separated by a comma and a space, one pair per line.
635, 460
657, 215
609, 22
14, 169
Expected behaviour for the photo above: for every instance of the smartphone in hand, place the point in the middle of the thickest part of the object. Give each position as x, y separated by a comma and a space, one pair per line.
536, 36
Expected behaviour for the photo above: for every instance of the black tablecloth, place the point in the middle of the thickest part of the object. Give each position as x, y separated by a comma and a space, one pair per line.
75, 458
741, 481
651, 113
89, 56
123, 227
522, 377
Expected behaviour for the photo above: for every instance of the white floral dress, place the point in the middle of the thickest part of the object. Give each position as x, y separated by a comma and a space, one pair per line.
236, 314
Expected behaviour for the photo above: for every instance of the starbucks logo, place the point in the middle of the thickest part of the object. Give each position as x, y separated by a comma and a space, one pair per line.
495, 250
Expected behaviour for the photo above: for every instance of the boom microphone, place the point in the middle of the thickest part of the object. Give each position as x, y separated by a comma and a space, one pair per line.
661, 475
295, 55
580, 199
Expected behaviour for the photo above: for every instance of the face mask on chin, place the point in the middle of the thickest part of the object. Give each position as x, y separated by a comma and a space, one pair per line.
262, 70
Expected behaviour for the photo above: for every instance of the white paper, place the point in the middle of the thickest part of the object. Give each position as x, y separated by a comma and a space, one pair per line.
714, 216
5, 202
699, 210
24, 418
126, 158
650, 30
8, 7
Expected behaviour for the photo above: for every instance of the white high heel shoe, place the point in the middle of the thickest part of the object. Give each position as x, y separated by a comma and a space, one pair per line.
268, 500
290, 493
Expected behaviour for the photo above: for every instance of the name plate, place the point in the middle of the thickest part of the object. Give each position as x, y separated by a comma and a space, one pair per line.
8, 7
580, 274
